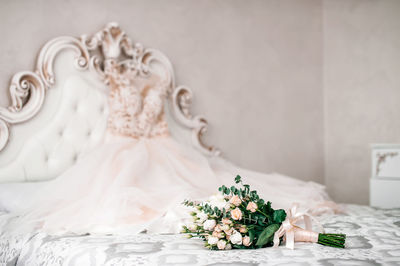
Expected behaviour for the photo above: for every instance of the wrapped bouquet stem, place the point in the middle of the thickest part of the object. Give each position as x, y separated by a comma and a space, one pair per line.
293, 233
238, 218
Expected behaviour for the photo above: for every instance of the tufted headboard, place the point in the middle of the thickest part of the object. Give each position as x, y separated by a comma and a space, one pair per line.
59, 111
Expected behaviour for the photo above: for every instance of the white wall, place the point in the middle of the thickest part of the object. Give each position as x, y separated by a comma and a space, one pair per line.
297, 87
361, 90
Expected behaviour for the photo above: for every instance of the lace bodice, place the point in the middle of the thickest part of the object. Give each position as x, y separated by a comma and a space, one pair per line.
136, 103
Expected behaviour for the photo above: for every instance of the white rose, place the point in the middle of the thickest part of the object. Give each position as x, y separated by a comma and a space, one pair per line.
235, 200
226, 227
236, 214
221, 244
236, 238
252, 206
246, 241
226, 221
229, 232
229, 246
218, 234
218, 228
212, 240
209, 225
218, 201
202, 216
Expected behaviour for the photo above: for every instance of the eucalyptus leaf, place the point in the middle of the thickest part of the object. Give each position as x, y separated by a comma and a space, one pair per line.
238, 178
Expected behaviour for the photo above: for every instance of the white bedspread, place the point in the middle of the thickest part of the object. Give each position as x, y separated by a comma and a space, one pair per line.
373, 239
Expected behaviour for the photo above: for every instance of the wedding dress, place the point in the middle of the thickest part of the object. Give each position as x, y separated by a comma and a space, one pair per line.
138, 177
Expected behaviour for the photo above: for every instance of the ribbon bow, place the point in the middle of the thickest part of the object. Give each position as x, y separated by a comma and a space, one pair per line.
289, 229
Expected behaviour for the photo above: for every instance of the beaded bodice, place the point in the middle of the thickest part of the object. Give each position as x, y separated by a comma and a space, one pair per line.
136, 103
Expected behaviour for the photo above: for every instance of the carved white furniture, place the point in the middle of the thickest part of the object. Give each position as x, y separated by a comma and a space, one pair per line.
385, 181
59, 110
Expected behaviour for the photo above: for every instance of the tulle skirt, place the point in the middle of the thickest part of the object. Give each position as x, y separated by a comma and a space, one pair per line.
128, 185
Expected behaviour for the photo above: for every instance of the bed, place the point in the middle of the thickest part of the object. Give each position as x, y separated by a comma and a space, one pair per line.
373, 239
58, 112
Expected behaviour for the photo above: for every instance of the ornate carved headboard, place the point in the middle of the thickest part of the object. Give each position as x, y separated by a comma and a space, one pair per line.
59, 111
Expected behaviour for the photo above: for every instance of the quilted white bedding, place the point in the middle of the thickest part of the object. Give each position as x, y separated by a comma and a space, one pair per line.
373, 239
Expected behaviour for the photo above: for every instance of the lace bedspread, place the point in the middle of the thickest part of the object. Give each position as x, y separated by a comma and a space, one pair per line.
373, 239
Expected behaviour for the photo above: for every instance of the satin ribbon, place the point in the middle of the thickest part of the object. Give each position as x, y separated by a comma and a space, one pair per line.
289, 227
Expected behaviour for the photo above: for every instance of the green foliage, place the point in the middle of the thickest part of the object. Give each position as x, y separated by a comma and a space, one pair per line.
252, 234
238, 179
267, 235
279, 216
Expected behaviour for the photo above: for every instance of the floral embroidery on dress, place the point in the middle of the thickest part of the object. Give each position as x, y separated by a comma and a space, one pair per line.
136, 103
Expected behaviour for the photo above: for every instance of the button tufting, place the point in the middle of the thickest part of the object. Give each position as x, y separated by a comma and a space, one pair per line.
75, 158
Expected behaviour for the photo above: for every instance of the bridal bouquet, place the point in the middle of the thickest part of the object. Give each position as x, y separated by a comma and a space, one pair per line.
238, 218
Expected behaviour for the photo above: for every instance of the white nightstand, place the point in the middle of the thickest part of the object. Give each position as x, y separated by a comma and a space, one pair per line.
385, 178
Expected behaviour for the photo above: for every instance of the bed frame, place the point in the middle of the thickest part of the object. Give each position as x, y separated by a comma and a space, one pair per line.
59, 111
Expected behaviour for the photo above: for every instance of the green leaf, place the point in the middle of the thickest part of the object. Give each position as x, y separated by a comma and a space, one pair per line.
279, 216
268, 207
238, 178
267, 234
252, 234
